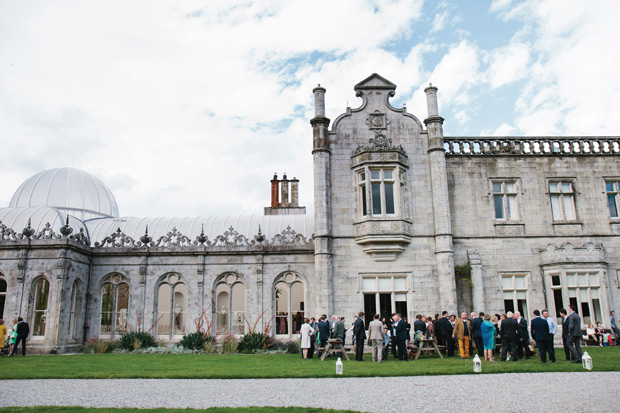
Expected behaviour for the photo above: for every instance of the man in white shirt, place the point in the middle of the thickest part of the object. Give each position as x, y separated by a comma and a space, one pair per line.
553, 328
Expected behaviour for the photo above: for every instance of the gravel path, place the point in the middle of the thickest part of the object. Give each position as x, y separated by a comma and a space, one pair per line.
548, 392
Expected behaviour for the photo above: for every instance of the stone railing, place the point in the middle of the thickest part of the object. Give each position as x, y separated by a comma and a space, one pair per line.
537, 146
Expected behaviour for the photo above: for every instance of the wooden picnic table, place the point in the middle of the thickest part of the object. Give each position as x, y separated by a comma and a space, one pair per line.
427, 344
334, 346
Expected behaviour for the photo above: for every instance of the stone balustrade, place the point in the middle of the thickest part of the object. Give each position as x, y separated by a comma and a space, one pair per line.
538, 145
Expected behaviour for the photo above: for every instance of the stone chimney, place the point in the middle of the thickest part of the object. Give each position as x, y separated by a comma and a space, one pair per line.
275, 191
284, 191
294, 192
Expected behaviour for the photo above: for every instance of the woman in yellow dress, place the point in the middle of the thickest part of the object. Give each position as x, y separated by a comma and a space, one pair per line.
3, 331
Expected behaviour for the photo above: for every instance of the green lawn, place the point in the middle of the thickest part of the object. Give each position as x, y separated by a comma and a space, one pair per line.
107, 366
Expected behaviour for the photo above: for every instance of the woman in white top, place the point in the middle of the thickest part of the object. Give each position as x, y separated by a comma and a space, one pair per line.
306, 337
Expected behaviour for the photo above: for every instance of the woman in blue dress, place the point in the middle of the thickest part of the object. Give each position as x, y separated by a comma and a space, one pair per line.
488, 338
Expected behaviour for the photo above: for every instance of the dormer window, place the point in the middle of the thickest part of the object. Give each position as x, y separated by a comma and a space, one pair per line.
378, 192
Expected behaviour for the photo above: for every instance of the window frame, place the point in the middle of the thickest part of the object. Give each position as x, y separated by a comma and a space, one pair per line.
562, 199
289, 278
116, 280
43, 312
364, 188
230, 279
615, 194
179, 281
516, 290
505, 196
595, 314
378, 291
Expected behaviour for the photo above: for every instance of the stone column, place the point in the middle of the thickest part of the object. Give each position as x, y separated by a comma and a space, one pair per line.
323, 259
476, 279
441, 206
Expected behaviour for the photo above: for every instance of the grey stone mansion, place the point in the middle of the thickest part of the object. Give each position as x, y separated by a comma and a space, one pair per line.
405, 220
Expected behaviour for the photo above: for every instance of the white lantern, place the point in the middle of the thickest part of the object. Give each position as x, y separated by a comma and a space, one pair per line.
339, 366
477, 364
586, 361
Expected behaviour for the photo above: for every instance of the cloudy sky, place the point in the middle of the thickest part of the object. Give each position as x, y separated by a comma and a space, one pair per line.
188, 108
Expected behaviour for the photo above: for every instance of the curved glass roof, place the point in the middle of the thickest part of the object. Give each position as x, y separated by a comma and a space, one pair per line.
191, 227
17, 219
69, 190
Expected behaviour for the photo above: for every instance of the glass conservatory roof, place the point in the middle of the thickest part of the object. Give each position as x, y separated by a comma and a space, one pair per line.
69, 190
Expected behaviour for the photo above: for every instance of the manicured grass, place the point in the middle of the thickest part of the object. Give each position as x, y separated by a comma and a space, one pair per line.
74, 409
112, 366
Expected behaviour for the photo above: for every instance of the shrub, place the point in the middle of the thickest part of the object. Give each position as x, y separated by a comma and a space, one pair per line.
229, 344
292, 347
209, 347
256, 341
195, 341
98, 345
136, 339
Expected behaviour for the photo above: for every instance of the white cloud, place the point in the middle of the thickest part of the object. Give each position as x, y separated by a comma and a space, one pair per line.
508, 64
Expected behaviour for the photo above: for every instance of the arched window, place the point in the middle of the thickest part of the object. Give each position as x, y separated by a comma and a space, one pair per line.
41, 298
289, 299
2, 295
171, 306
74, 310
114, 305
230, 304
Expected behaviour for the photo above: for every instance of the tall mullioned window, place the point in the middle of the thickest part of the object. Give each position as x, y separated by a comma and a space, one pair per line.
41, 300
230, 297
384, 294
114, 305
562, 195
171, 306
505, 200
613, 197
514, 287
378, 191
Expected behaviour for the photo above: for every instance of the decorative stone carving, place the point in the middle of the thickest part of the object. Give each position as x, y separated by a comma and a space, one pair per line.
567, 253
567, 229
47, 233
380, 143
377, 120
118, 239
289, 236
80, 237
172, 239
383, 239
509, 230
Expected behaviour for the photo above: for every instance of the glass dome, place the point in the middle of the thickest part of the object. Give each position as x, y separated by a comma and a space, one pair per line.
69, 190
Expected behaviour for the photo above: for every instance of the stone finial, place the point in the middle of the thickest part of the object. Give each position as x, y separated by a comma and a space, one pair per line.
28, 231
66, 230
146, 239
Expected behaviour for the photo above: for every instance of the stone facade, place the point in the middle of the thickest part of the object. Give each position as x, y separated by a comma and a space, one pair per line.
397, 206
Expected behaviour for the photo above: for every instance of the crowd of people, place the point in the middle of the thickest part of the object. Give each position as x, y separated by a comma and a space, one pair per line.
480, 332
17, 332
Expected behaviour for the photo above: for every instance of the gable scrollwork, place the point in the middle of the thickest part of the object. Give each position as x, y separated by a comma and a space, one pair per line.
380, 143
46, 233
118, 239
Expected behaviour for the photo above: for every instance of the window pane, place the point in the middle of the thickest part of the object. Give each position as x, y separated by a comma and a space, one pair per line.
507, 283
613, 208
164, 301
583, 295
553, 187
364, 207
555, 208
609, 186
499, 207
520, 282
566, 188
400, 284
594, 293
510, 187
281, 308
509, 305
385, 284
569, 208
497, 187
376, 198
370, 306
508, 295
570, 279
389, 198
597, 310
558, 301
582, 279
555, 279
387, 174
593, 279
512, 207
42, 293
2, 285
521, 295
362, 176
572, 293
400, 297
238, 308
375, 174
122, 306
369, 284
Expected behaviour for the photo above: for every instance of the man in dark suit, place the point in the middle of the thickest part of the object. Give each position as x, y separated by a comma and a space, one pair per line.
524, 336
444, 329
567, 353
22, 329
401, 337
419, 325
540, 333
574, 333
359, 331
509, 333
323, 336
476, 333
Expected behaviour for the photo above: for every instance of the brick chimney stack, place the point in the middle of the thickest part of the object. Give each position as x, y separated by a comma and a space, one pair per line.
275, 192
281, 204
